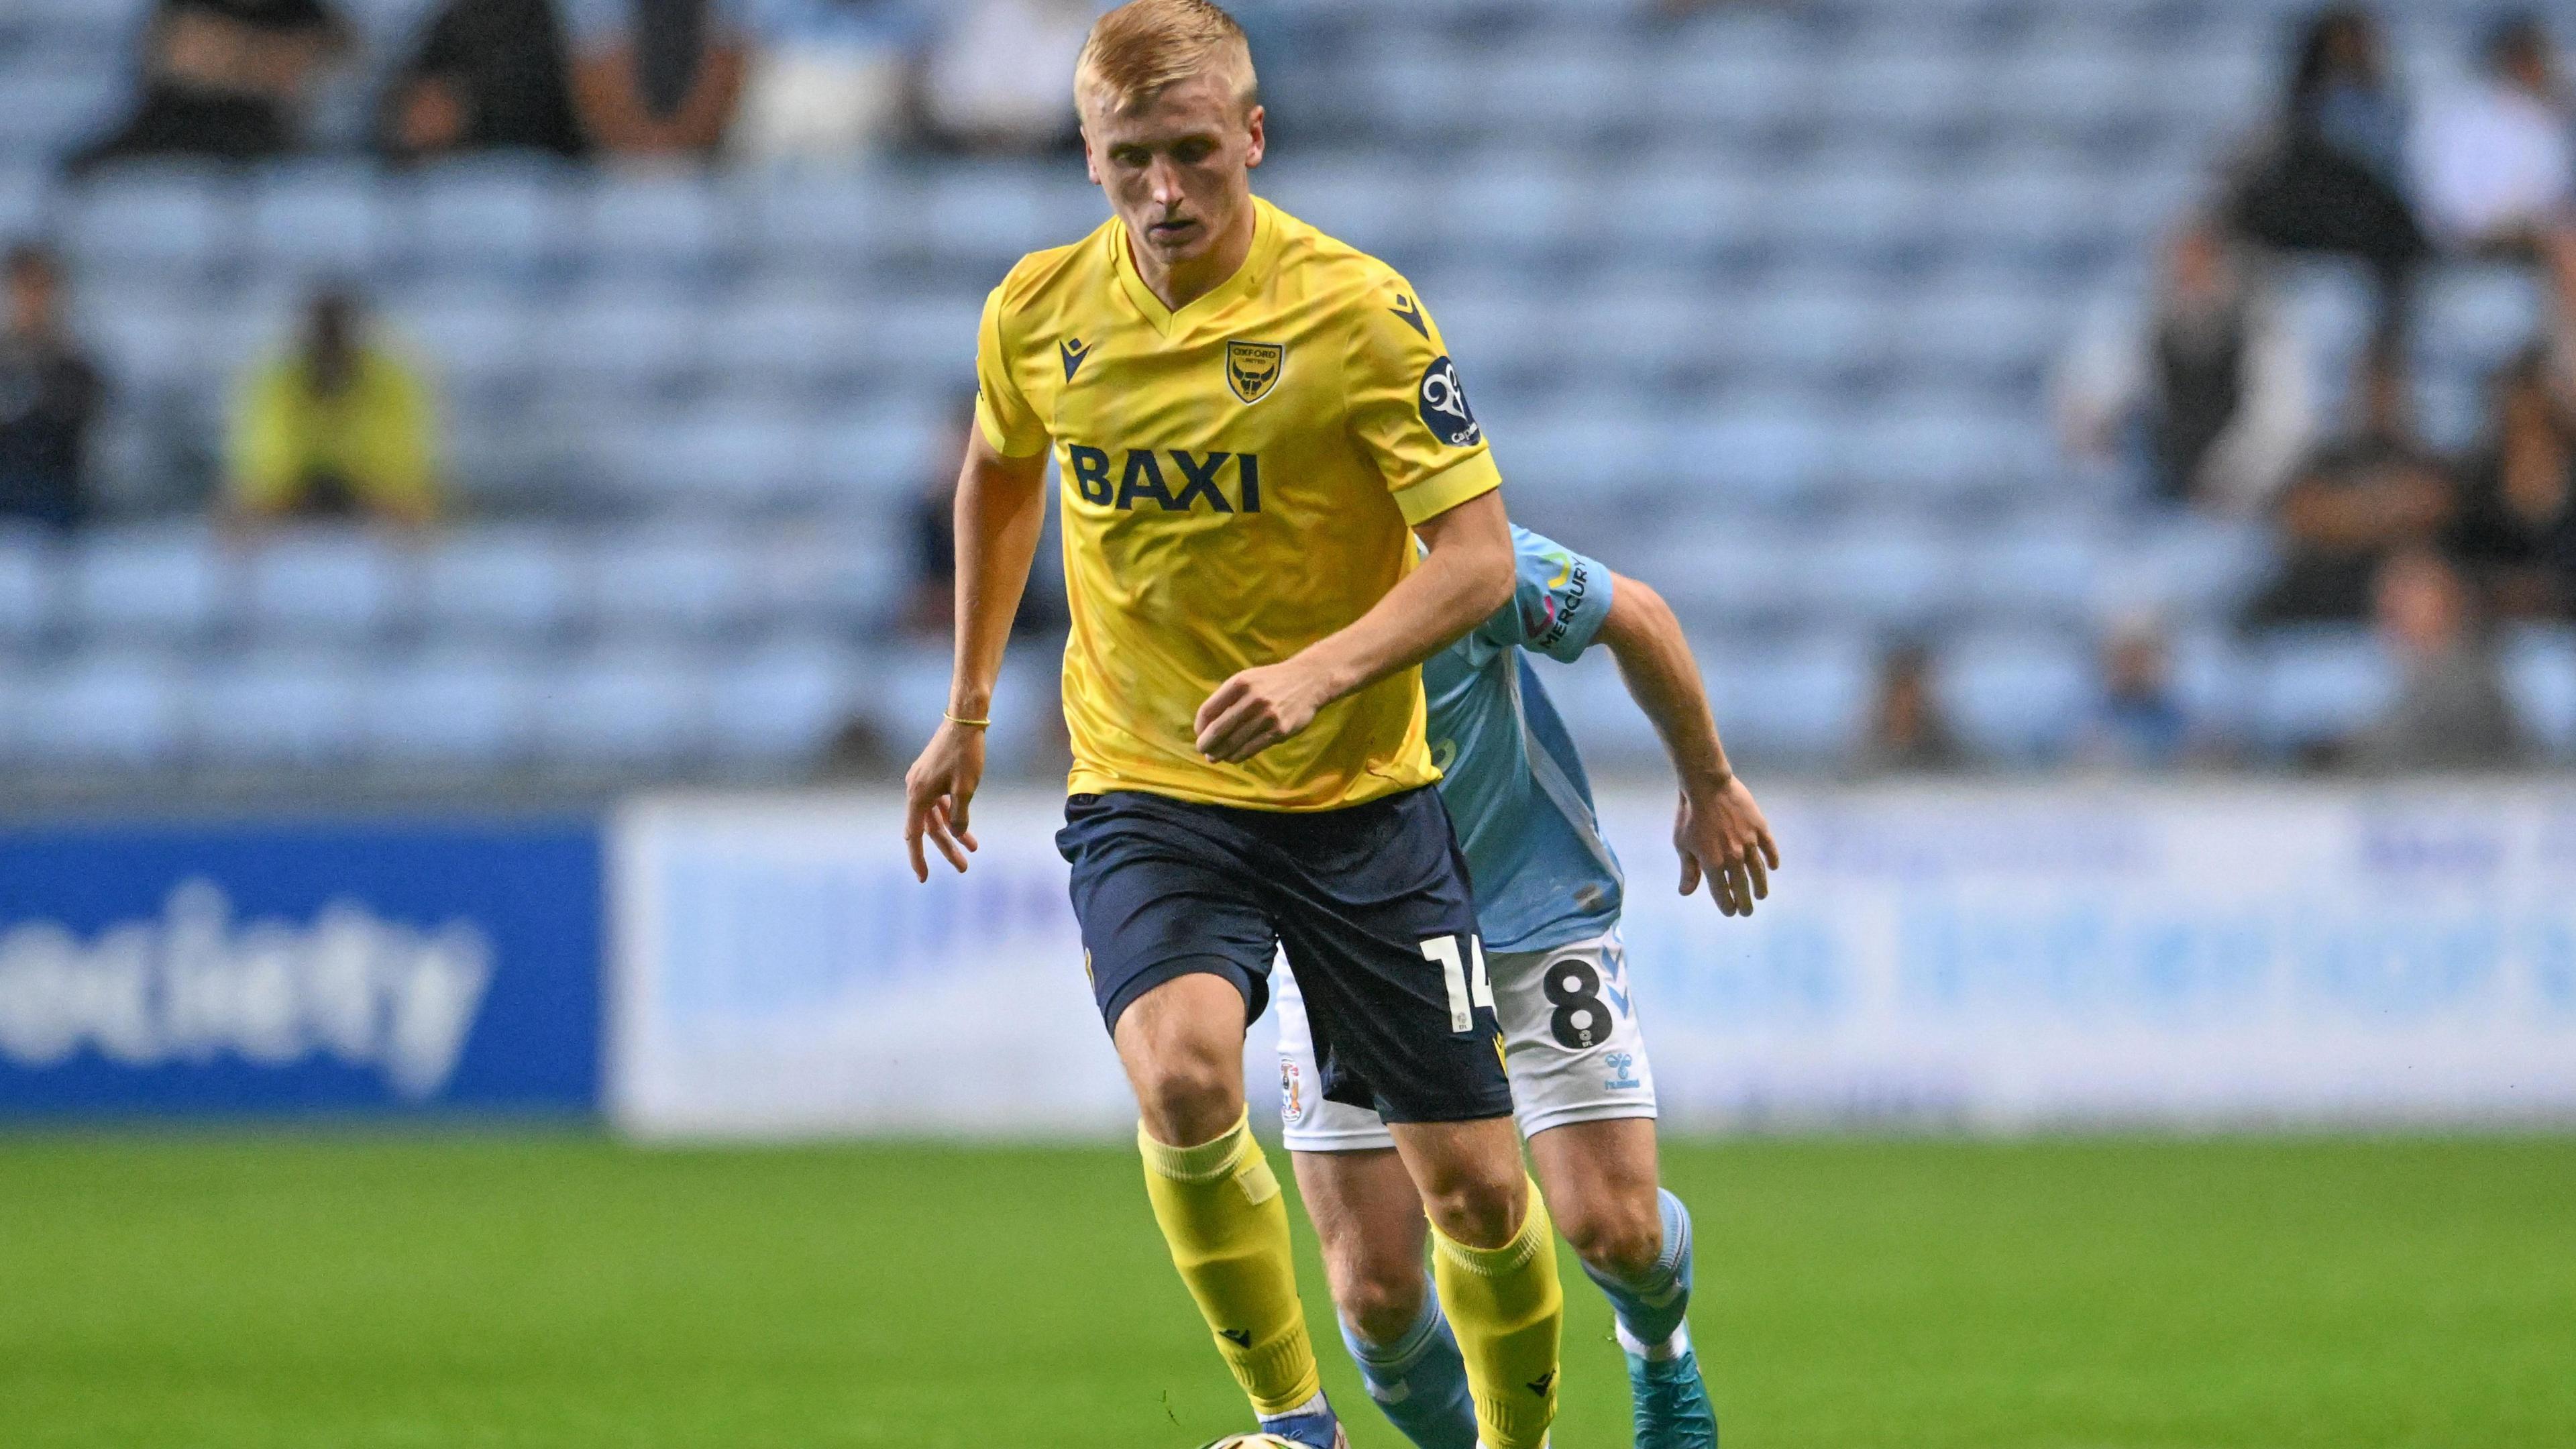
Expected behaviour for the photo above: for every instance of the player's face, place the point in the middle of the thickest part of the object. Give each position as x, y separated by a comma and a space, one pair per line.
1178, 170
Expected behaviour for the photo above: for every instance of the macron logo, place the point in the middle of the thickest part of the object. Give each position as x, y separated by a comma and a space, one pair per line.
196, 983
1073, 350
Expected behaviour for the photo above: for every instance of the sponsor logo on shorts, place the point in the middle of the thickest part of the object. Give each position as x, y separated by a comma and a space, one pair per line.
1623, 1070
1292, 1094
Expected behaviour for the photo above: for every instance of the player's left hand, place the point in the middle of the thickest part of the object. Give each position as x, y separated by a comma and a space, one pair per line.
1721, 834
1258, 708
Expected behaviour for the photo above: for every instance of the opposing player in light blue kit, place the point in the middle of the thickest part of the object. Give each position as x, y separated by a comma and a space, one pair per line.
1548, 892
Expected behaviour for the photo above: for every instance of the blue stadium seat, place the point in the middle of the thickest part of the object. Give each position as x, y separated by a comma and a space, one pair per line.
1374, 205
1723, 577
26, 198
162, 582
275, 710
1801, 330
1942, 455
2213, 680
788, 343
1518, 206
1889, 578
1794, 698
855, 569
2015, 697
638, 707
2318, 685
828, 224
1893, 91
2475, 318
1766, 449
166, 225
477, 340
1559, 91
316, 220
1848, 209
2048, 574
334, 584
503, 219
622, 347
985, 216
871, 460
1987, 327
498, 580
681, 223
2191, 566
734, 456
782, 703
667, 580
927, 336
27, 571
1687, 204
103, 710
2052, 88
2540, 677
458, 707
1726, 84
50, 110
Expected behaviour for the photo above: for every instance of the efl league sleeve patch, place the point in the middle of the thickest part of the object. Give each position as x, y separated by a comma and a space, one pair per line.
1444, 406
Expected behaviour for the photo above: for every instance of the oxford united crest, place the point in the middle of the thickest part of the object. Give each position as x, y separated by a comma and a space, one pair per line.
1252, 368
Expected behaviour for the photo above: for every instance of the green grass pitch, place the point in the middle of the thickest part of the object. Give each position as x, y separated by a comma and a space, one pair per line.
207, 1292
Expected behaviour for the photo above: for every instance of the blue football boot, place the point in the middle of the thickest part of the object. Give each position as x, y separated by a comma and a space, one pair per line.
1671, 1403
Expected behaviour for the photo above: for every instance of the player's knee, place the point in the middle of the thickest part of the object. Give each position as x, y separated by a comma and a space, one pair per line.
1481, 1209
1188, 1097
1619, 1239
1380, 1301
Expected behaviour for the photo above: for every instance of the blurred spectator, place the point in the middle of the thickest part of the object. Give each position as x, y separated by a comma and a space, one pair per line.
227, 79
1907, 732
49, 397
2214, 380
2494, 166
930, 610
2331, 177
2138, 723
830, 80
2355, 502
338, 427
2515, 531
2450, 712
995, 80
658, 77
489, 75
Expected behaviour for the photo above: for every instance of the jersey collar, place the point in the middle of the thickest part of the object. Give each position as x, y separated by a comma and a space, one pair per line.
1256, 265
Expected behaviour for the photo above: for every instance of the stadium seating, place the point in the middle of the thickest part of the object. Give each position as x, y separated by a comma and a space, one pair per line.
1756, 304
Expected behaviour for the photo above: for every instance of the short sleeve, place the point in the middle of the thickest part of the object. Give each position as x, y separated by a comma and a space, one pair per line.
1009, 423
1559, 599
1409, 410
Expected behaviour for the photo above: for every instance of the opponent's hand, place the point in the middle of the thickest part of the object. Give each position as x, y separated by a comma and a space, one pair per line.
1258, 708
1721, 834
936, 793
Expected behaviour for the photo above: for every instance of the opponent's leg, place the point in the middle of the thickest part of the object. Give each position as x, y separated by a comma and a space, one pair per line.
1634, 1240
1369, 1219
1216, 1198
1493, 1256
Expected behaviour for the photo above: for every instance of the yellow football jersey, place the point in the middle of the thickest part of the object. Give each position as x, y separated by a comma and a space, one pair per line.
1238, 481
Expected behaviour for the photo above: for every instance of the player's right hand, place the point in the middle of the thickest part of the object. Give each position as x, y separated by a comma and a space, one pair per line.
936, 793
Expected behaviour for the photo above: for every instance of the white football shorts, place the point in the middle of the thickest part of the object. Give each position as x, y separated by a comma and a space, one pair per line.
1571, 1045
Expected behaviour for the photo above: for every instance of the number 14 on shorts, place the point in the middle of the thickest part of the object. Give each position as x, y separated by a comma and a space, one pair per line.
1463, 969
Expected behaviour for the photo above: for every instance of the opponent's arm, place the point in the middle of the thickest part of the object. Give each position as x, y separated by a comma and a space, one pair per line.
1465, 577
1719, 831
1001, 507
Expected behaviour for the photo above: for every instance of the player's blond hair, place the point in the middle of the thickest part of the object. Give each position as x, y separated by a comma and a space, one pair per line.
1139, 48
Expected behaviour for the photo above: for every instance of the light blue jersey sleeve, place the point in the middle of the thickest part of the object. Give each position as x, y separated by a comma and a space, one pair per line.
1560, 599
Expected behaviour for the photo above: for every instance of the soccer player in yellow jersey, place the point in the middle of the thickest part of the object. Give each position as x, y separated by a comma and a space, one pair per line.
1253, 422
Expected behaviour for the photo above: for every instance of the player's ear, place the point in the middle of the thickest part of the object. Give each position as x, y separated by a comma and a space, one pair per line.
1256, 122
1090, 158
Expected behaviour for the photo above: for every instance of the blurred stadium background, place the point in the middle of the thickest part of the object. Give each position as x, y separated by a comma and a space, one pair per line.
472, 567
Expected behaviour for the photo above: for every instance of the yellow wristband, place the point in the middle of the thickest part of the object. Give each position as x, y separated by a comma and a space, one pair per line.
972, 724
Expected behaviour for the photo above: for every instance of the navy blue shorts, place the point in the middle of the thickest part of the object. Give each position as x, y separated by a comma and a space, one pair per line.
1371, 902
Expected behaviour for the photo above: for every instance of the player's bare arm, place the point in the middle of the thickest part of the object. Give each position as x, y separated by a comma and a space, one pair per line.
1718, 830
1001, 507
1462, 580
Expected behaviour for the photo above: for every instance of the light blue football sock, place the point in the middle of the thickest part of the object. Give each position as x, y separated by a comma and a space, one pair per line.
1420, 1382
1651, 1307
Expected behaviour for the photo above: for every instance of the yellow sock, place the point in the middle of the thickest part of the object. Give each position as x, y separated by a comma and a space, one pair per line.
1508, 1311
1220, 1210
